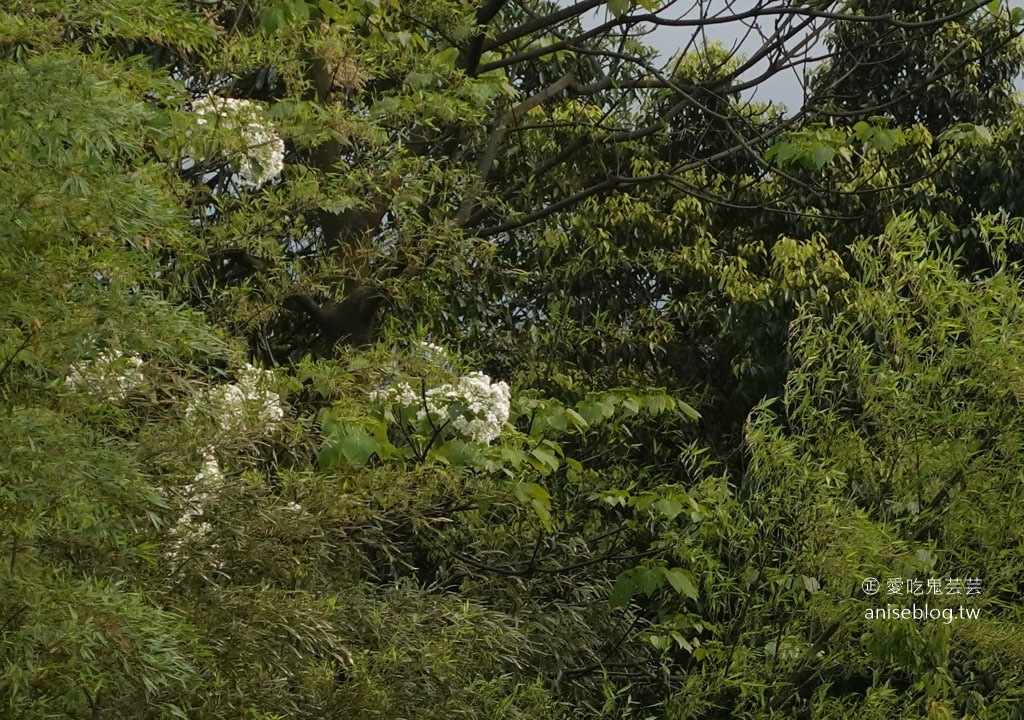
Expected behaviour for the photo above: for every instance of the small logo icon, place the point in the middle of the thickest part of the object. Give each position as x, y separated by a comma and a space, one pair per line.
870, 586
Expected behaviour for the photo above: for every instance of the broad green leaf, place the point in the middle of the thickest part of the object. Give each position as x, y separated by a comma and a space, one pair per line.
459, 453
682, 582
547, 458
385, 105
590, 411
655, 404
821, 155
681, 641
688, 410
649, 579
420, 80
513, 456
356, 444
330, 10
576, 418
618, 7
660, 642
536, 497
446, 57
558, 421
622, 591
668, 508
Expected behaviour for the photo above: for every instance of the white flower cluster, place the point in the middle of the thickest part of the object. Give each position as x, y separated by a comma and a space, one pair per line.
262, 157
243, 407
477, 407
433, 351
112, 375
437, 355
194, 496
192, 526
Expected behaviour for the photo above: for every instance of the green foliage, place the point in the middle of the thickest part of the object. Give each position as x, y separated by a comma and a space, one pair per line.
531, 523
900, 424
961, 71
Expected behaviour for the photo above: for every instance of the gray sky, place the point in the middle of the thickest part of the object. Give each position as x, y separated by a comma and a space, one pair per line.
785, 88
743, 36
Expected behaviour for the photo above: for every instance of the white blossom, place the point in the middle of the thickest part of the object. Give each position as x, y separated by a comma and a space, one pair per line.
112, 375
189, 527
401, 393
243, 407
474, 406
261, 158
210, 474
437, 355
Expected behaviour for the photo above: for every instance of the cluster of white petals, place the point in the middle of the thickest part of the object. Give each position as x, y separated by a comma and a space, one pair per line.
437, 355
210, 475
112, 375
262, 157
476, 407
248, 406
190, 526
433, 351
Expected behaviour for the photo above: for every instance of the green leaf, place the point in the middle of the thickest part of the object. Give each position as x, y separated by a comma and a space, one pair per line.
513, 456
618, 7
420, 80
357, 445
387, 104
622, 591
459, 453
660, 642
681, 641
682, 582
273, 19
536, 497
655, 404
649, 579
447, 57
338, 203
782, 153
351, 442
547, 458
668, 508
330, 10
590, 412
283, 13
886, 140
558, 422
688, 410
577, 419
299, 11
821, 155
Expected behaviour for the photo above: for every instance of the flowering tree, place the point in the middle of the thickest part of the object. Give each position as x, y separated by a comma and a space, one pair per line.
213, 505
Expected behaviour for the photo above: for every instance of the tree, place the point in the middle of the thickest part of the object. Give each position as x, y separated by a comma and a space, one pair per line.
898, 424
212, 504
922, 68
